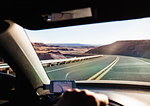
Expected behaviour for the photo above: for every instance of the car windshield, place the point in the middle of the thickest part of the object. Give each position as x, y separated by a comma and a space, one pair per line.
117, 50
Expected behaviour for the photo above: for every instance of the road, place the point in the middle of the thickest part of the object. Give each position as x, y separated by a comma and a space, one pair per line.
108, 67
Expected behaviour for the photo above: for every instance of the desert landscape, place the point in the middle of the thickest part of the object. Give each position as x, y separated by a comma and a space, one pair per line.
55, 51
60, 51
135, 48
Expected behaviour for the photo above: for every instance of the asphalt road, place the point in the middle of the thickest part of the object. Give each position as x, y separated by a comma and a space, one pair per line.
108, 67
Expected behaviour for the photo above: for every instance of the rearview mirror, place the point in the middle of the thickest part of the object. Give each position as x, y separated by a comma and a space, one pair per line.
68, 15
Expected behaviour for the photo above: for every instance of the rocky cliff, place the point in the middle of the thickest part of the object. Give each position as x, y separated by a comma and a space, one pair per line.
137, 48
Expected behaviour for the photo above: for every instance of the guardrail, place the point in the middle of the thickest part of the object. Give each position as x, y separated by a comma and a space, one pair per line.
5, 68
49, 63
4, 64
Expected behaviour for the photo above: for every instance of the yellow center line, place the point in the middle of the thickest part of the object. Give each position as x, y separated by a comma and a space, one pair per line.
98, 78
95, 75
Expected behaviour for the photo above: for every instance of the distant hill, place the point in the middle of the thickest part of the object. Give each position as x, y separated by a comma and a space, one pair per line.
46, 52
59, 51
137, 48
75, 45
51, 55
71, 45
37, 44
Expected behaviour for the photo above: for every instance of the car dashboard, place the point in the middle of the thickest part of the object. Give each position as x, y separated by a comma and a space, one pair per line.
119, 94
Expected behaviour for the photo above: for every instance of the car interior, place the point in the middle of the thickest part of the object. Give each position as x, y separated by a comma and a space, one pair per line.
30, 84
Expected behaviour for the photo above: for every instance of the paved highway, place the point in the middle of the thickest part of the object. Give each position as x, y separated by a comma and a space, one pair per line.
108, 67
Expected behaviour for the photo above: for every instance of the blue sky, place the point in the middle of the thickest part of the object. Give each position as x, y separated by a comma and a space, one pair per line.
100, 33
